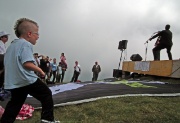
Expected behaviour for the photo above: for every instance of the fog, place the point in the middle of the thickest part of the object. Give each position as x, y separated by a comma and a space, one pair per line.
90, 30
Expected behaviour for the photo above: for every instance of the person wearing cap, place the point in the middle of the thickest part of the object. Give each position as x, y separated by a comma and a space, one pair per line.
3, 40
77, 71
96, 70
164, 41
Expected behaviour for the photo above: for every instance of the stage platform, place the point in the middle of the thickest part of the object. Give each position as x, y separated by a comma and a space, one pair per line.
165, 68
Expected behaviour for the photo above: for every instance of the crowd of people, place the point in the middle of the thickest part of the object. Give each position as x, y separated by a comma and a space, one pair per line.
55, 71
51, 68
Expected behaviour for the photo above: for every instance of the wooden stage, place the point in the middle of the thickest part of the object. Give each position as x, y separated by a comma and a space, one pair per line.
165, 68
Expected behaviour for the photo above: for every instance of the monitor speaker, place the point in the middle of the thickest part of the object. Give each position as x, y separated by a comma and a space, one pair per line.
136, 57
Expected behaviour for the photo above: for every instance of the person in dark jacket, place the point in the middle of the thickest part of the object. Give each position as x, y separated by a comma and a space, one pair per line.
96, 69
164, 41
64, 67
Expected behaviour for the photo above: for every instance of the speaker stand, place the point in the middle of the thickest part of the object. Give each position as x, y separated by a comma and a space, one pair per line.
120, 58
146, 50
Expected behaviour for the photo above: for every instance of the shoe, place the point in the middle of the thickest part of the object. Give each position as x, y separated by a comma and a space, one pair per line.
46, 121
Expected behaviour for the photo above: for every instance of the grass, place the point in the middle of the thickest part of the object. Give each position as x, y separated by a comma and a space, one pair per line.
118, 110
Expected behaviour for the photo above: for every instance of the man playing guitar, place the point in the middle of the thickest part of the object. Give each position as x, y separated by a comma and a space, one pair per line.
164, 41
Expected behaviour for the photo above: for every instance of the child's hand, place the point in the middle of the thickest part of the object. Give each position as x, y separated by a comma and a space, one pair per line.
42, 74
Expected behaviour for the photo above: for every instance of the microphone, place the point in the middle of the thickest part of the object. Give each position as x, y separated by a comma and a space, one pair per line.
146, 41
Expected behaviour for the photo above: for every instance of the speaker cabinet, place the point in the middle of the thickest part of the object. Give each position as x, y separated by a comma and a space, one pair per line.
117, 73
122, 44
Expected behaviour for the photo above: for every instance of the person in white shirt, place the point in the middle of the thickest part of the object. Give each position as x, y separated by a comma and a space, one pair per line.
59, 73
77, 71
3, 39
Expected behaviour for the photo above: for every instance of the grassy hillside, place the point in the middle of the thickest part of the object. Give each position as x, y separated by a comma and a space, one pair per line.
119, 110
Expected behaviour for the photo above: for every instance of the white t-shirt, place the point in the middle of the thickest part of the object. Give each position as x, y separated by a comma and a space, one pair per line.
77, 68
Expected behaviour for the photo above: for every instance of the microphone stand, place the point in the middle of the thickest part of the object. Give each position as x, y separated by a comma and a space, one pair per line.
146, 50
120, 58
147, 44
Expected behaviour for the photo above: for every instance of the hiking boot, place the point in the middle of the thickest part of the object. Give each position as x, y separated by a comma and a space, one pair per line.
46, 121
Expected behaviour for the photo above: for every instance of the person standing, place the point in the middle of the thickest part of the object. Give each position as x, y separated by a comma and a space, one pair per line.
63, 60
96, 70
64, 67
3, 39
164, 41
59, 73
54, 69
20, 78
49, 69
45, 66
37, 60
77, 71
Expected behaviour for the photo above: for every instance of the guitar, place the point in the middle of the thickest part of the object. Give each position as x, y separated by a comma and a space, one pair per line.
157, 41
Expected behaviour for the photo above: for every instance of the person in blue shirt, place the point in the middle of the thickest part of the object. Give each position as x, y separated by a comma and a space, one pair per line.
20, 78
54, 69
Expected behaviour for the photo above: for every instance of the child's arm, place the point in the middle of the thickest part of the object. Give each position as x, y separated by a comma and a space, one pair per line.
31, 66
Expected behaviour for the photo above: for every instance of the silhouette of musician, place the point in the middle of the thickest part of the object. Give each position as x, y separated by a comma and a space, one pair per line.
164, 40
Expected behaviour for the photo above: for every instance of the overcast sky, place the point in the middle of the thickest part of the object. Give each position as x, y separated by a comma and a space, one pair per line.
90, 30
